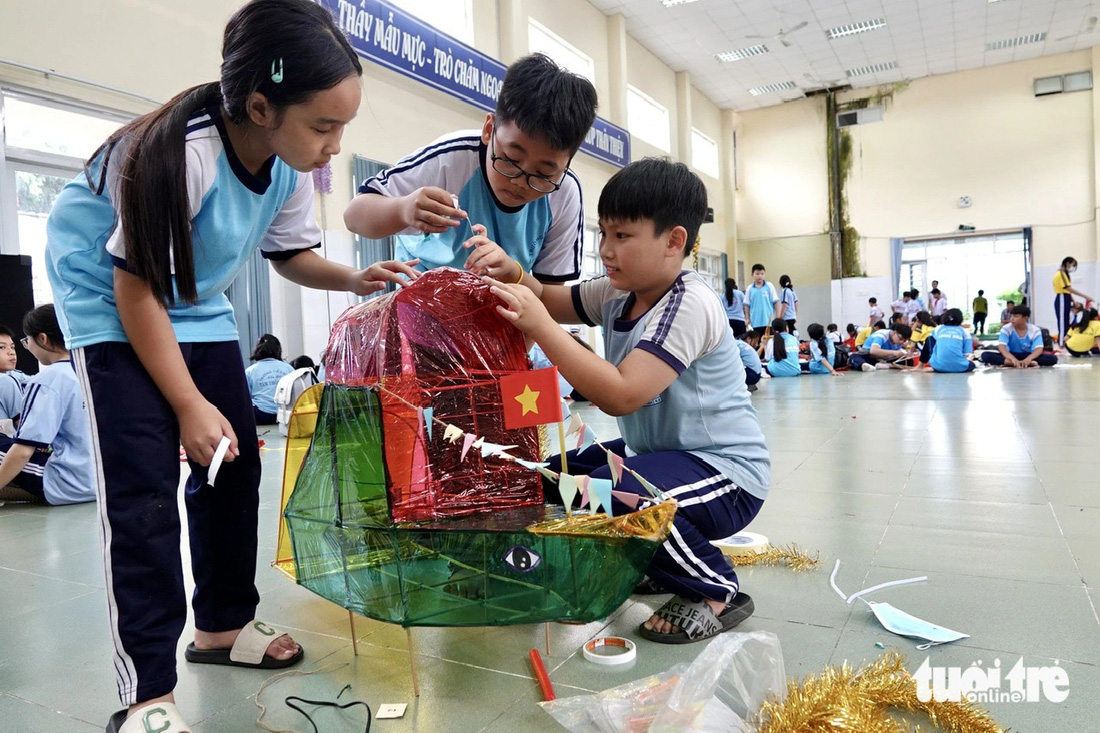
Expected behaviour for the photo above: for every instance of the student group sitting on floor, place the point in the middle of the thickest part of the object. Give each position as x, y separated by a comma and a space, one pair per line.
937, 338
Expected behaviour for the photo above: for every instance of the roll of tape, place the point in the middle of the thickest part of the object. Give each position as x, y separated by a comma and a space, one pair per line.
628, 654
745, 543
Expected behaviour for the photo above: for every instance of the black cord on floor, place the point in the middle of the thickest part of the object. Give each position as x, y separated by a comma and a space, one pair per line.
326, 703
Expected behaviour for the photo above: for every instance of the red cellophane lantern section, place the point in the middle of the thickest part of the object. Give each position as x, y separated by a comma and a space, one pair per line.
438, 343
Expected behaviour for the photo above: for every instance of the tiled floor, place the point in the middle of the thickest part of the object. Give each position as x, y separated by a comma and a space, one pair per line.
987, 483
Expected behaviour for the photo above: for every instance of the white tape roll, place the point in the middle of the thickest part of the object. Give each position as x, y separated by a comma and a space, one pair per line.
628, 654
216, 462
745, 543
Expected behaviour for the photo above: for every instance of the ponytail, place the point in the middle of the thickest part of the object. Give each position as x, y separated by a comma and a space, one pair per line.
817, 333
779, 348
731, 285
301, 40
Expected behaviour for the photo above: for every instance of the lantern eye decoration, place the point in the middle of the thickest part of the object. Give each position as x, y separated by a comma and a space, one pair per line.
522, 559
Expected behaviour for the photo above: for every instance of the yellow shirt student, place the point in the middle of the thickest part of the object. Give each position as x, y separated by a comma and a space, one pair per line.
1061, 283
981, 305
921, 332
862, 335
1082, 341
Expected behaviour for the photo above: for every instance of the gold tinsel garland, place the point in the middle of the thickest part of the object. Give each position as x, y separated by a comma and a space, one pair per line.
843, 699
791, 555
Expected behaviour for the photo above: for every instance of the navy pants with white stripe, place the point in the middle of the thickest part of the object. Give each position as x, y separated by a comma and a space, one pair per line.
30, 478
136, 440
1062, 303
710, 507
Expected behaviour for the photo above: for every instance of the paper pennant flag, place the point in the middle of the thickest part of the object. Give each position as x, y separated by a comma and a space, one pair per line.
587, 438
466, 443
567, 486
531, 466
615, 463
547, 473
584, 491
626, 497
565, 413
428, 413
575, 424
599, 494
488, 449
452, 434
657, 493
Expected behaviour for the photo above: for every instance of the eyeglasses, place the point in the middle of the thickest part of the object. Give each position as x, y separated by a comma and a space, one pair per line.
509, 169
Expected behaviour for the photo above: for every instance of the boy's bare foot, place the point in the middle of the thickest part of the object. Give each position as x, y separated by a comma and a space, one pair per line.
281, 648
662, 626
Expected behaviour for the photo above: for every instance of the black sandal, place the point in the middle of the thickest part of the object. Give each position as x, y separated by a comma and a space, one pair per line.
697, 620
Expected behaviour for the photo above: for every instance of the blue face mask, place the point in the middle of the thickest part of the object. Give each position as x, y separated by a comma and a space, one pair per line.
899, 622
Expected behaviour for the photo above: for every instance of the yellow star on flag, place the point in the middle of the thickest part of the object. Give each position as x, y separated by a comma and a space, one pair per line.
529, 398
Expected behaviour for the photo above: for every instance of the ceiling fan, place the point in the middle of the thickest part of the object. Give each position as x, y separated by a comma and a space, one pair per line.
1088, 27
782, 34
815, 83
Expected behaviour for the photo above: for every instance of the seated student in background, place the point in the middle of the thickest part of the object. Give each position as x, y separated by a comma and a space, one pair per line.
303, 362
54, 420
1006, 314
263, 377
751, 361
882, 346
1084, 336
949, 347
1020, 344
850, 342
865, 333
511, 180
735, 307
672, 376
832, 333
875, 313
822, 352
923, 325
781, 351
11, 388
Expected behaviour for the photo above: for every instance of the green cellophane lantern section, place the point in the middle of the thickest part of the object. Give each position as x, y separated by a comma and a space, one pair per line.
519, 565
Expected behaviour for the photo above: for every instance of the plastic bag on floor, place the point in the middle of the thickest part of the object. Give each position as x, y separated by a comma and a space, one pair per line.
720, 691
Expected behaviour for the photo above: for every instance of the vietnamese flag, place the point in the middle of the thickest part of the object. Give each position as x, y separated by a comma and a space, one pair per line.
531, 398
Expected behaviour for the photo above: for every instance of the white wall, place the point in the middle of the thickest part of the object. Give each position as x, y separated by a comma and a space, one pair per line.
1024, 161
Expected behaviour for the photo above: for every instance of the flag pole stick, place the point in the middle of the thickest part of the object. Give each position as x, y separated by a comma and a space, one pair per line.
564, 462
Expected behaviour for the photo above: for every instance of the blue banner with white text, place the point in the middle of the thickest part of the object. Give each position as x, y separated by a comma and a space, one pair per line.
393, 38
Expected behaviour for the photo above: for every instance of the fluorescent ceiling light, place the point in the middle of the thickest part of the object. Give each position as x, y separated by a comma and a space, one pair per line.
778, 87
852, 28
742, 53
671, 3
872, 69
1012, 42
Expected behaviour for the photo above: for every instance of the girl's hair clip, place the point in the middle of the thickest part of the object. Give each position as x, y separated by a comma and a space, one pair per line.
277, 73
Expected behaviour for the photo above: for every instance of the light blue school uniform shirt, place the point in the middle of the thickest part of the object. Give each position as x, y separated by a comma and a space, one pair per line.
790, 298
232, 213
749, 358
735, 311
54, 416
949, 352
545, 236
706, 411
11, 397
817, 359
1032, 340
762, 302
263, 377
788, 367
539, 360
880, 338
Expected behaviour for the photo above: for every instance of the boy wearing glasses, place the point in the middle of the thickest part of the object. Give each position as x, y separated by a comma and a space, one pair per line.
507, 184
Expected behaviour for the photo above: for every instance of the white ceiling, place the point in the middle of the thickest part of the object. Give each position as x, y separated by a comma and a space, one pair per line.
923, 37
